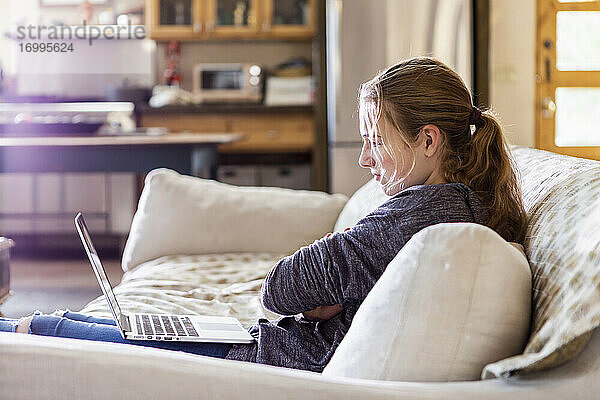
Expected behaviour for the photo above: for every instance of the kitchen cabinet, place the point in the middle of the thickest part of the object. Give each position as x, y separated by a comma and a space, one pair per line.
289, 18
288, 133
204, 123
173, 19
201, 20
285, 176
277, 148
40, 203
231, 18
16, 198
239, 175
264, 133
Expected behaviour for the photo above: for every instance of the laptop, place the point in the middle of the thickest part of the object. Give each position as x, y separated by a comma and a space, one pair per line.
163, 327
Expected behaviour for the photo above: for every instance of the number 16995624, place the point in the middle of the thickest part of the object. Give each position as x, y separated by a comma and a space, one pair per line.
42, 47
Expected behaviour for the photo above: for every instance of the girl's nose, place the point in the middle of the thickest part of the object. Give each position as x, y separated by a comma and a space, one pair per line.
366, 159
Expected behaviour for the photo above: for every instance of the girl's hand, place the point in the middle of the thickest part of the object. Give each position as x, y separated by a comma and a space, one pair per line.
323, 313
329, 234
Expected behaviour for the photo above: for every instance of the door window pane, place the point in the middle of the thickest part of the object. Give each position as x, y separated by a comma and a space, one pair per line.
291, 12
578, 40
577, 116
175, 12
233, 12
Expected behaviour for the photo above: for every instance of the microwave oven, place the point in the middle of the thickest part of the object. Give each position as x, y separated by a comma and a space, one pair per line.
228, 83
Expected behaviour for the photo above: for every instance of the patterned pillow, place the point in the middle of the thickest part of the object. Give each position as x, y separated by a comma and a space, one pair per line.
562, 198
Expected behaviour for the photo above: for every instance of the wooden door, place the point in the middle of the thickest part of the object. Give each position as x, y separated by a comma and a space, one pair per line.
568, 77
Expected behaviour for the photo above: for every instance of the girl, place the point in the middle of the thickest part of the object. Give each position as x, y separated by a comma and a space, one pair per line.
439, 157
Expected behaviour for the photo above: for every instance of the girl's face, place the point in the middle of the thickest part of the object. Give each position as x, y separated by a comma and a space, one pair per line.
392, 163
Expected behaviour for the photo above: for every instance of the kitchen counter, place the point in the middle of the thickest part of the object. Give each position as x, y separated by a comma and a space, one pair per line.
194, 154
223, 108
121, 140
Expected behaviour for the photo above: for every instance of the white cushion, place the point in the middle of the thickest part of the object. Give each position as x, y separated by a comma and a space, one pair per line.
363, 201
180, 214
455, 298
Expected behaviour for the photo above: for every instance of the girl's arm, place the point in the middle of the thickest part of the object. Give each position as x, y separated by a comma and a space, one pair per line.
334, 270
344, 267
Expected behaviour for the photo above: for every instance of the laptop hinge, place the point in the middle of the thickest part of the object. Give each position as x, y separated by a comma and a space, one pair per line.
125, 323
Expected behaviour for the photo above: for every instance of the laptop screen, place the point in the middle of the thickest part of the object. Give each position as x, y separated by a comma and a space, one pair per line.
98, 268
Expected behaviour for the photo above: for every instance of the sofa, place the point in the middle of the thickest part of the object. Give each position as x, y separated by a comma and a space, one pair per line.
224, 276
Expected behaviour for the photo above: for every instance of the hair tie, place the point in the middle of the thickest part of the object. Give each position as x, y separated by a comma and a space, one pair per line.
475, 119
475, 116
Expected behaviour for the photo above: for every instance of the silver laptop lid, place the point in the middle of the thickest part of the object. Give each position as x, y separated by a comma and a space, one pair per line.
100, 272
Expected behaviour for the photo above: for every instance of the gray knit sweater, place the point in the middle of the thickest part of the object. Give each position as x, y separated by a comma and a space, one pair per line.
342, 269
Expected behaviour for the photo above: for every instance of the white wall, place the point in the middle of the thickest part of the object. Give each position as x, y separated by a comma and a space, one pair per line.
429, 28
512, 67
25, 12
512, 56
375, 34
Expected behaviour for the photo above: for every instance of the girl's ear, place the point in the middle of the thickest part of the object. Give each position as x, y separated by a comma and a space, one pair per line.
431, 140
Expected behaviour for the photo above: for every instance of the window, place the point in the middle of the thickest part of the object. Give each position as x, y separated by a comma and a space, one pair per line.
568, 77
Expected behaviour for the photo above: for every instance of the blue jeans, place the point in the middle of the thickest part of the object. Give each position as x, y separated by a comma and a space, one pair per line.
79, 326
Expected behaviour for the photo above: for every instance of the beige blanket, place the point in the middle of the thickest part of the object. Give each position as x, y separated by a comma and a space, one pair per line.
213, 284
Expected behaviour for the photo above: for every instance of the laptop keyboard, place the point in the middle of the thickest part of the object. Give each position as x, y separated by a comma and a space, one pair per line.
164, 325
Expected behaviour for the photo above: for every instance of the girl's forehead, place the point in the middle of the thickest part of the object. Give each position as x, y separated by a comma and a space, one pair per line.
371, 121
368, 110
371, 128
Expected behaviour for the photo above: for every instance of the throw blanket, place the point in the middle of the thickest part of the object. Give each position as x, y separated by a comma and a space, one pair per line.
212, 284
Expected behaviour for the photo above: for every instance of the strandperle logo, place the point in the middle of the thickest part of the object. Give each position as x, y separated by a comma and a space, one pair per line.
83, 31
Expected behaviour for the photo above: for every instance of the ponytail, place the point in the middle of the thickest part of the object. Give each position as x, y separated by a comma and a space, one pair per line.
488, 170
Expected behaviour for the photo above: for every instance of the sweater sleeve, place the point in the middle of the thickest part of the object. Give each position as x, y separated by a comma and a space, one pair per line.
335, 270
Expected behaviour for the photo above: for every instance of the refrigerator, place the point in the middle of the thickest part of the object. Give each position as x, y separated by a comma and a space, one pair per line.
363, 37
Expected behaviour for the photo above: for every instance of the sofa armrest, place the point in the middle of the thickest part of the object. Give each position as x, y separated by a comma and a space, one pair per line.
56, 368
180, 214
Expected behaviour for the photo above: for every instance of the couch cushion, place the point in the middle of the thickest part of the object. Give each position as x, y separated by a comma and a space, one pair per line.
180, 214
562, 199
363, 201
456, 297
211, 284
